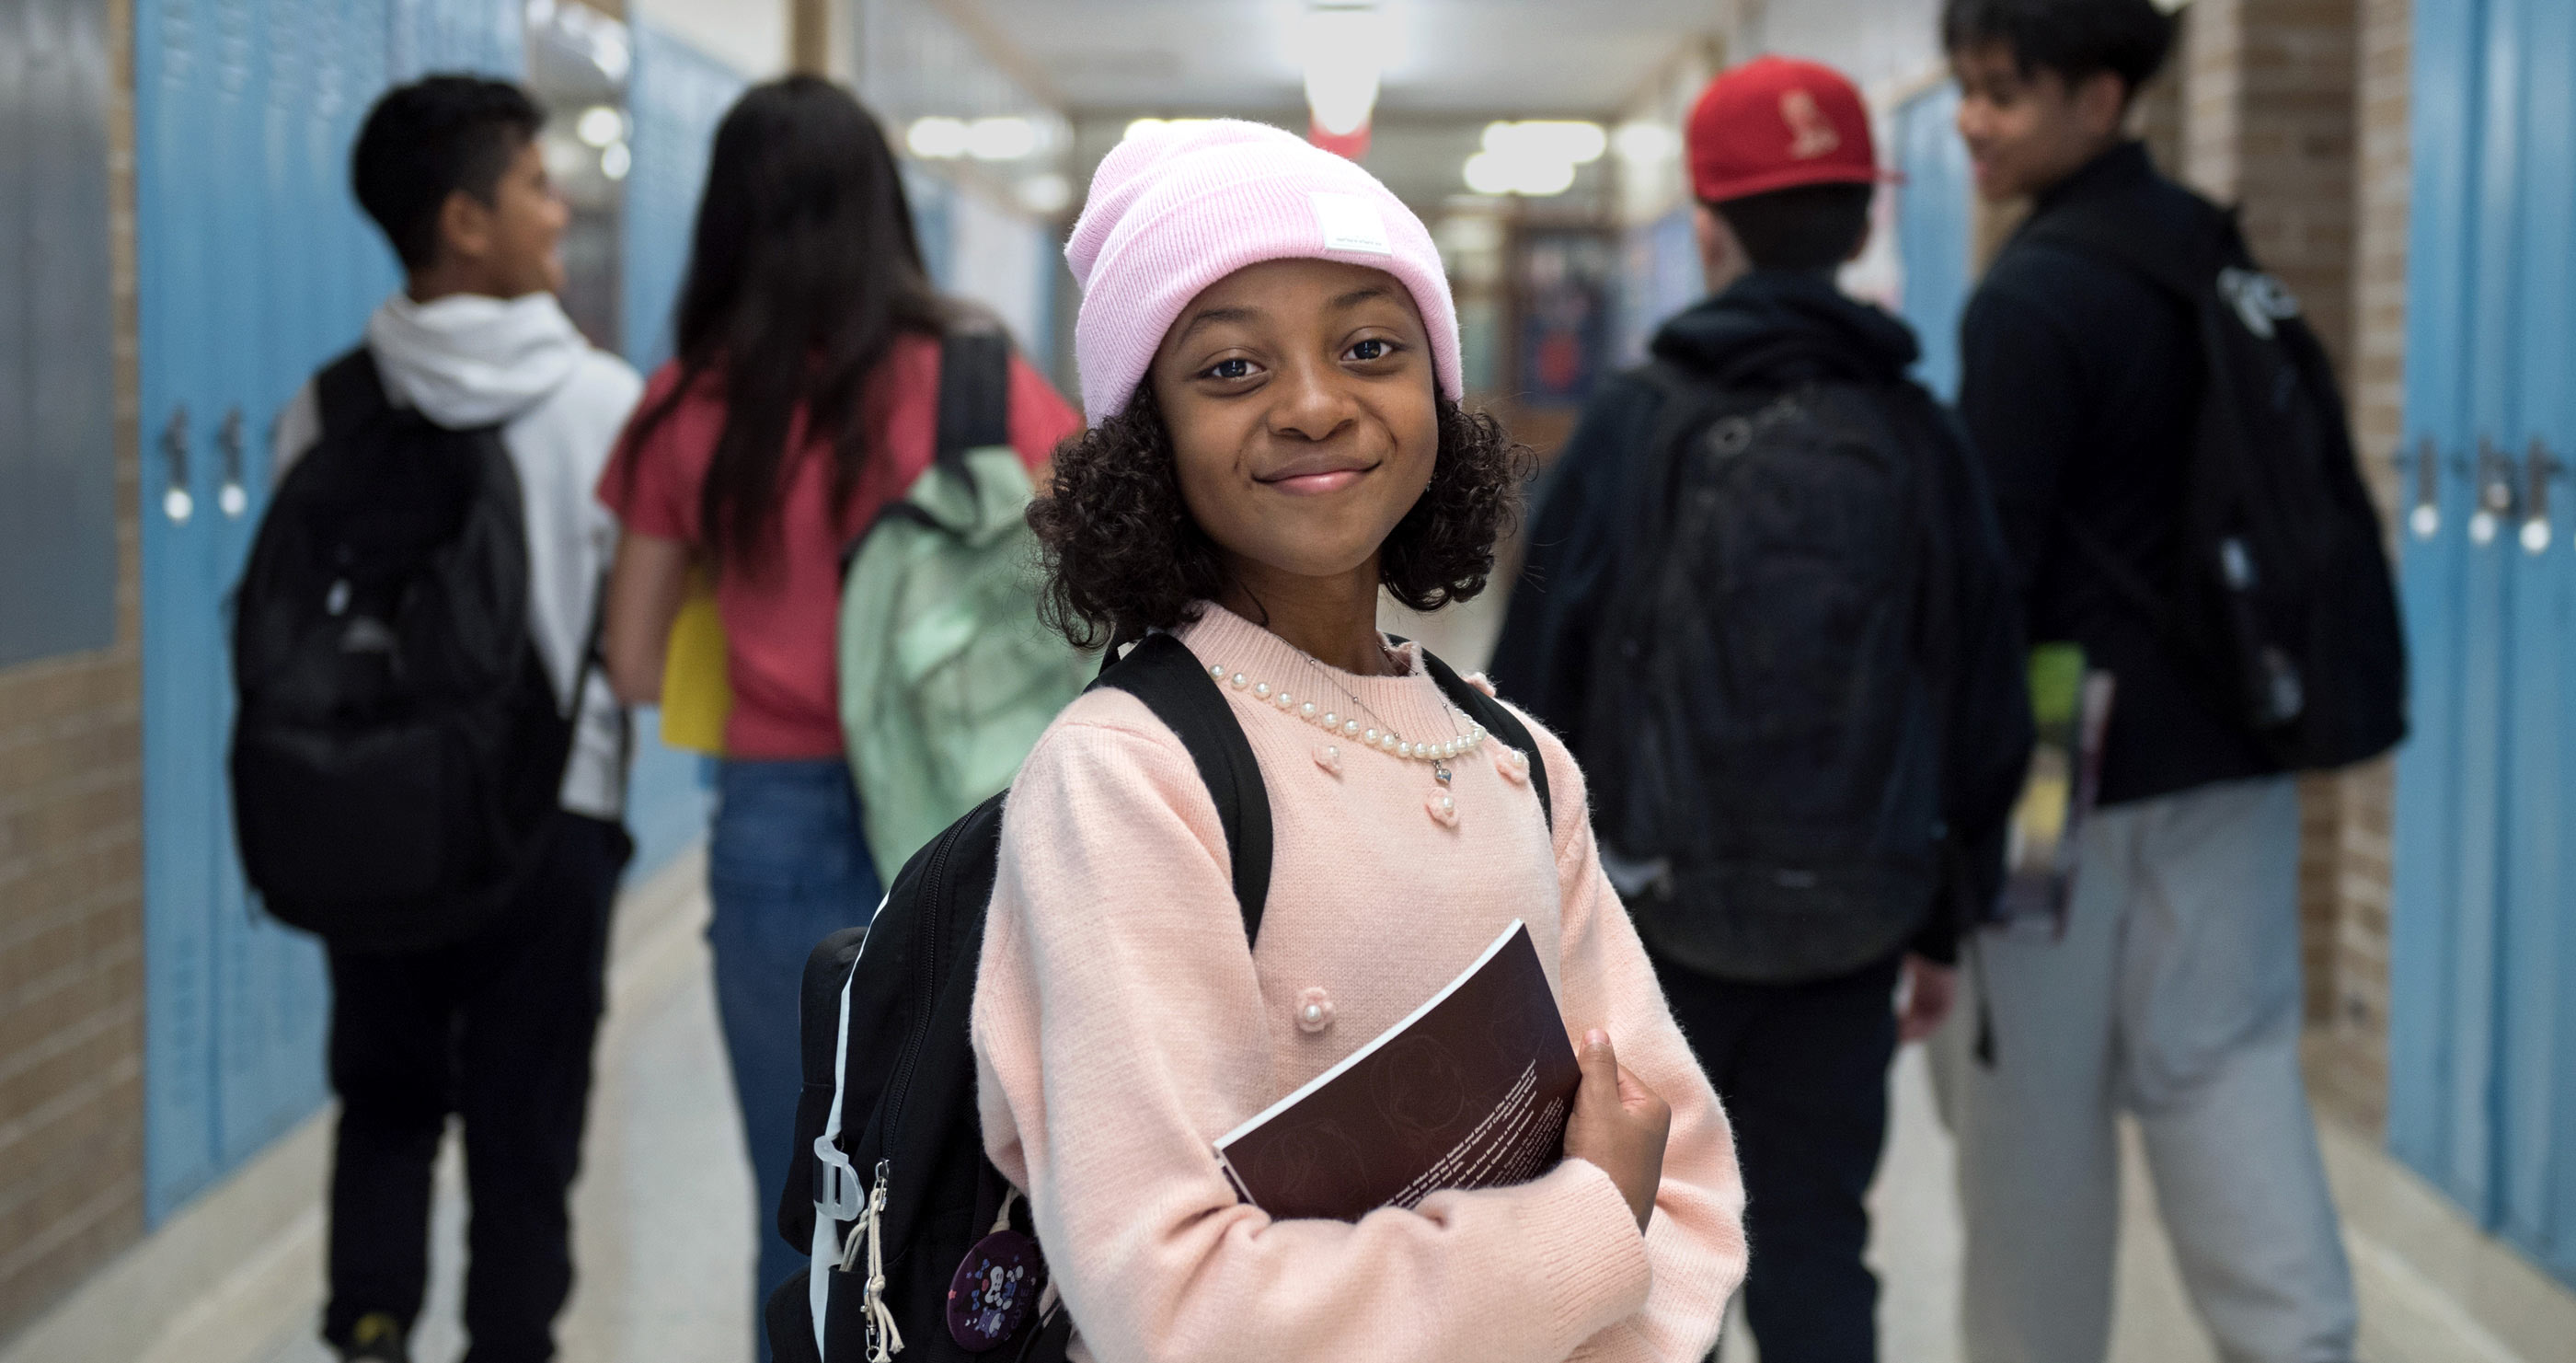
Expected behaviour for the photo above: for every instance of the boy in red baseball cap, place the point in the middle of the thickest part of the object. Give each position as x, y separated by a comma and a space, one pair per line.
1766, 604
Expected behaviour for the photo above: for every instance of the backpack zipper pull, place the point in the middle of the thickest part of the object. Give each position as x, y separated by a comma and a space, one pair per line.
884, 1340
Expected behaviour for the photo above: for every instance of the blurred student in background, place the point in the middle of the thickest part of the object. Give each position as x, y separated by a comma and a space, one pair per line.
1767, 605
493, 1017
2172, 987
802, 398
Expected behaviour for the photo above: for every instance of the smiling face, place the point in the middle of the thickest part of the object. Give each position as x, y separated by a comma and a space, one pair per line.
2027, 130
510, 244
1301, 404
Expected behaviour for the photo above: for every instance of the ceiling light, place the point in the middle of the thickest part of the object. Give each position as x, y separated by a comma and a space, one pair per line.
1642, 144
1141, 126
1345, 54
1504, 173
1046, 195
599, 125
615, 160
936, 138
1573, 141
1489, 174
1001, 139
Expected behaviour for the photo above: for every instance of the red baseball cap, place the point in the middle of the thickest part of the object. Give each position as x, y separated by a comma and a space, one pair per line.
1777, 123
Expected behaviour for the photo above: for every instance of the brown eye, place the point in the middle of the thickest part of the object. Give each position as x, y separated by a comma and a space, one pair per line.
1236, 368
1371, 349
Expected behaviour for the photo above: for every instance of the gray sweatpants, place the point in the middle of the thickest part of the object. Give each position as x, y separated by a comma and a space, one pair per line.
2174, 994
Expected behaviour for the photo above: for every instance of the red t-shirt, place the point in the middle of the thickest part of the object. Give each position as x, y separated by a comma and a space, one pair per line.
779, 615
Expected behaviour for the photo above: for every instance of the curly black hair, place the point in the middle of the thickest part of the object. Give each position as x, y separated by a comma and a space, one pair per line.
1123, 555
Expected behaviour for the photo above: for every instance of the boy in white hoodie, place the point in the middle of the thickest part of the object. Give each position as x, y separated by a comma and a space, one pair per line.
498, 1028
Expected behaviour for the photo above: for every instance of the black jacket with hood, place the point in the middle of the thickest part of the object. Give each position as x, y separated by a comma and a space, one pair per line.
1773, 330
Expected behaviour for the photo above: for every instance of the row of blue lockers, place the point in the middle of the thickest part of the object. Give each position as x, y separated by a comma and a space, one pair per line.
2482, 938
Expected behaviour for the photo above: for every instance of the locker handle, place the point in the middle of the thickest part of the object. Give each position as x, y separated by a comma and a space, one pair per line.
2495, 492
2539, 466
177, 503
231, 496
2426, 519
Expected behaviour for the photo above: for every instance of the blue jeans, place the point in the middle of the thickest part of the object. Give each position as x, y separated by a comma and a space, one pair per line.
788, 866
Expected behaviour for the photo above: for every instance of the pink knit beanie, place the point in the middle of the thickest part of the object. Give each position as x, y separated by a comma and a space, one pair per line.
1177, 208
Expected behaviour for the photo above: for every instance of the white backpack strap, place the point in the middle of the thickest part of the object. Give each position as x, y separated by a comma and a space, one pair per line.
837, 1194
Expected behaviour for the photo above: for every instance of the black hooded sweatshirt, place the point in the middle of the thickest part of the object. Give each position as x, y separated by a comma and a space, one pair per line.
1773, 330
2080, 382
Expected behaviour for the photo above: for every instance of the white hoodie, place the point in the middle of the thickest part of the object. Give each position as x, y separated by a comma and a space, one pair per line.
466, 361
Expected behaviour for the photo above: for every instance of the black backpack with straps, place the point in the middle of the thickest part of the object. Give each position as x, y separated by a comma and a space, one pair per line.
2277, 599
890, 1189
398, 742
1764, 737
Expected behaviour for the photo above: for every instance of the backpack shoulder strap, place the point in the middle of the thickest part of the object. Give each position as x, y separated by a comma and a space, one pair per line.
1498, 718
974, 393
2187, 266
348, 392
1162, 672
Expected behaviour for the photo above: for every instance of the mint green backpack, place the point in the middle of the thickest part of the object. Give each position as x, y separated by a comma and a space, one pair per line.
947, 678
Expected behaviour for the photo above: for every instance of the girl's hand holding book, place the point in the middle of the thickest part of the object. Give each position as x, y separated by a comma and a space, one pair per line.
1619, 1125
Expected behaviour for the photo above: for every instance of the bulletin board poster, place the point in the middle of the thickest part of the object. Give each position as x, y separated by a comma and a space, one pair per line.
1566, 279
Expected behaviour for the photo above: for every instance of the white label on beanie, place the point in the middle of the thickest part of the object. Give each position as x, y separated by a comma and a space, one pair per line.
1350, 223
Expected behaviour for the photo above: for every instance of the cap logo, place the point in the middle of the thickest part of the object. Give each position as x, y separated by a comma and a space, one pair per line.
1350, 223
1811, 134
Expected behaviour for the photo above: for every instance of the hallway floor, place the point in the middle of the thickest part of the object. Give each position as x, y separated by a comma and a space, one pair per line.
663, 1222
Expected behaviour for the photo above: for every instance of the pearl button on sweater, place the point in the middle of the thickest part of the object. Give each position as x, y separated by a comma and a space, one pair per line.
1122, 1023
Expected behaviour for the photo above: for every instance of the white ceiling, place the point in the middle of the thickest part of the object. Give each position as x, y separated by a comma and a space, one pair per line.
1512, 58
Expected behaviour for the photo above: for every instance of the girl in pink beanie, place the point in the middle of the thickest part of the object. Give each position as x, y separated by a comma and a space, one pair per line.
1269, 363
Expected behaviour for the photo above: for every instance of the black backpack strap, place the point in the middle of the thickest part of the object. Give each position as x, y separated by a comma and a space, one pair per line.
974, 394
1497, 718
1162, 672
348, 393
2186, 265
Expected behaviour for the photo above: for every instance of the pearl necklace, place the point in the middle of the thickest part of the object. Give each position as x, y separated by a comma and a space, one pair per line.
1334, 722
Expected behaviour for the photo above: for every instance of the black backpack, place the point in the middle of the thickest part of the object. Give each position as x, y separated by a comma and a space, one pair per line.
1764, 734
2278, 600
397, 745
886, 1124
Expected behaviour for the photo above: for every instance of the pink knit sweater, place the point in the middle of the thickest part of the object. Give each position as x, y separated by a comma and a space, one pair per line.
1121, 1024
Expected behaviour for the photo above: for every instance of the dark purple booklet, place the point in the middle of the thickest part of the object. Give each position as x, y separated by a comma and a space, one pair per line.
1471, 1091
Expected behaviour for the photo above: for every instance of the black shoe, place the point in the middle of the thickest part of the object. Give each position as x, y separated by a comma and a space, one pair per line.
376, 1338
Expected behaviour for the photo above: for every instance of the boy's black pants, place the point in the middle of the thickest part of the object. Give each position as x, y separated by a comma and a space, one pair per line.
497, 1030
1802, 1070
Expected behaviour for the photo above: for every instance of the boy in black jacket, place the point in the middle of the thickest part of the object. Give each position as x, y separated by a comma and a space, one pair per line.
2172, 988
1767, 606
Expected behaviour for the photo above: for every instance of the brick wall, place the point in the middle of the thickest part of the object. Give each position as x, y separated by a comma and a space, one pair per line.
2268, 124
2296, 110
2348, 1043
71, 888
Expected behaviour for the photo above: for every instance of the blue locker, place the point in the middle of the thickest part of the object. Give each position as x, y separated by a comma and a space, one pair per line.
2432, 555
1935, 223
173, 95
676, 96
2534, 936
2482, 1054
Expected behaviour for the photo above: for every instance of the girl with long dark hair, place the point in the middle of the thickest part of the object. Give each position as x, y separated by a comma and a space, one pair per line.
802, 399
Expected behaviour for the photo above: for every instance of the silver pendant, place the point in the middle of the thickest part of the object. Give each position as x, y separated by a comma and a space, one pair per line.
1440, 772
